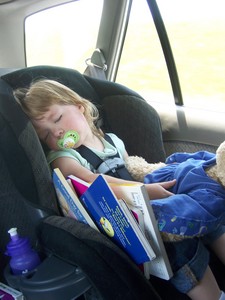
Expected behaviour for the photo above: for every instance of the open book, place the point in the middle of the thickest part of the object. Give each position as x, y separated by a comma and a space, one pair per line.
136, 195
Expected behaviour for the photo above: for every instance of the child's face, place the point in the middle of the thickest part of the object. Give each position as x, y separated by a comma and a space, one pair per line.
57, 121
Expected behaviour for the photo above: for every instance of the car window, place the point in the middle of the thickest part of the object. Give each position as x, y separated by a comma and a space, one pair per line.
142, 66
64, 35
195, 30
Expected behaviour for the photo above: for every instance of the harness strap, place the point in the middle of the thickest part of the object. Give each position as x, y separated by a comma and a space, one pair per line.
113, 166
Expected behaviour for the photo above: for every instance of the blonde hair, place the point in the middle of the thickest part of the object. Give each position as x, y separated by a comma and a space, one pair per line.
37, 99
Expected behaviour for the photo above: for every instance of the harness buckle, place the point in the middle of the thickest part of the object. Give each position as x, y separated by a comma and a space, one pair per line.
110, 165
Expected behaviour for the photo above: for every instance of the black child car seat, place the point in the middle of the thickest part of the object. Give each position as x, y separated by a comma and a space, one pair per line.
28, 202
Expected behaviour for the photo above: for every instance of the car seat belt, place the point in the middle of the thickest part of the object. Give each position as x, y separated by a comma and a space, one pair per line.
113, 166
96, 65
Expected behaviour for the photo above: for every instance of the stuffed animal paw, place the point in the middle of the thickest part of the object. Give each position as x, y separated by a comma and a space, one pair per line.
138, 167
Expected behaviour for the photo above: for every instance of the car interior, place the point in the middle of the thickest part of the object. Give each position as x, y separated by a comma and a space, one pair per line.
76, 261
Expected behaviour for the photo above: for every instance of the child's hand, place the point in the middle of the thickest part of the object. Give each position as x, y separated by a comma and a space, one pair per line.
159, 190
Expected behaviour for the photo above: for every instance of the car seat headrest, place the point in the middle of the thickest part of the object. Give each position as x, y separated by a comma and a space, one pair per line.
143, 125
69, 77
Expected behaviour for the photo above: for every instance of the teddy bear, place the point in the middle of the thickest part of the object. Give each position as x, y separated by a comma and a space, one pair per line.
199, 190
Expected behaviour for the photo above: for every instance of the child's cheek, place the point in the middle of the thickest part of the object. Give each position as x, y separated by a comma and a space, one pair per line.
52, 145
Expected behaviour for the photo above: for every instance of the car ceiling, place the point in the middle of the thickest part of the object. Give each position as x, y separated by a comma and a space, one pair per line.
15, 6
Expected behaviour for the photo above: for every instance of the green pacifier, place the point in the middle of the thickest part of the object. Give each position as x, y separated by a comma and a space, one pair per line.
69, 140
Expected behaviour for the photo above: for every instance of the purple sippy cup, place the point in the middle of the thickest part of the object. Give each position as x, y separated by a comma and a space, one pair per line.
23, 257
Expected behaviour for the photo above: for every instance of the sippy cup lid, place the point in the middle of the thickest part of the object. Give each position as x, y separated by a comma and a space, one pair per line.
69, 139
13, 233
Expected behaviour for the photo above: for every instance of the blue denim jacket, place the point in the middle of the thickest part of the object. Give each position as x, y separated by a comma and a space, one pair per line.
198, 204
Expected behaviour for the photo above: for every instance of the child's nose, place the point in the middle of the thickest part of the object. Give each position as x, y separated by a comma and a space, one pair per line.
58, 132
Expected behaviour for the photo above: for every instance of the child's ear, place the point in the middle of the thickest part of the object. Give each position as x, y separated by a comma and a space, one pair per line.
81, 108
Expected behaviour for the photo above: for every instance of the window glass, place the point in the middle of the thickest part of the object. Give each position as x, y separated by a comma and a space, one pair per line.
142, 65
196, 32
64, 35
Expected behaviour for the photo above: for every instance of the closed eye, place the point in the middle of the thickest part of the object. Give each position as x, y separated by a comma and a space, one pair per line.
59, 118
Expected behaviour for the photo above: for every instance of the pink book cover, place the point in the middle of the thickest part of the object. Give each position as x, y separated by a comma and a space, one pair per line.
79, 185
8, 293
